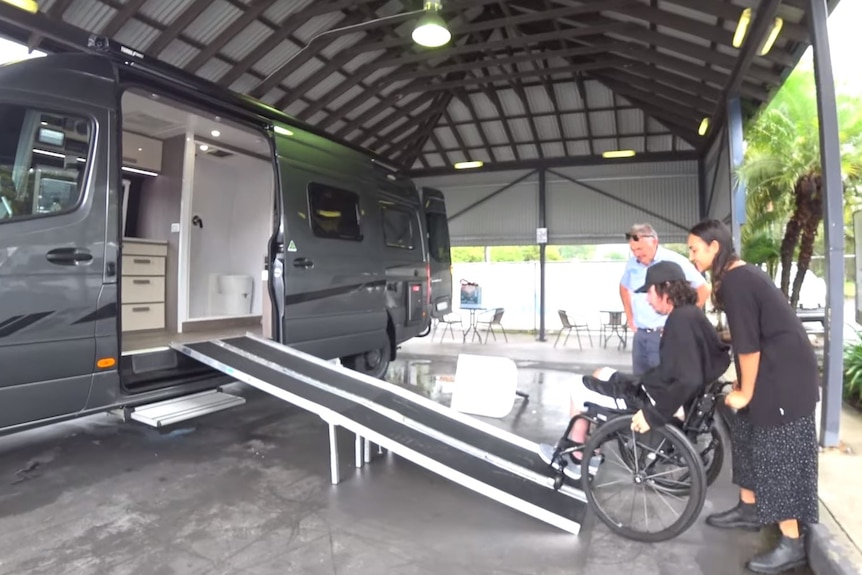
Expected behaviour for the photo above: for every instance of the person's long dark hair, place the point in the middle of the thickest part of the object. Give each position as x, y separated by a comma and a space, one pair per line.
714, 231
679, 292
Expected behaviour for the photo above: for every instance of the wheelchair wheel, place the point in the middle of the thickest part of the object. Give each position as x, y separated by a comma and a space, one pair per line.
650, 487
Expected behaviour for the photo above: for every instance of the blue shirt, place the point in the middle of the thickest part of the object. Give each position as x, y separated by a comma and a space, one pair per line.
634, 278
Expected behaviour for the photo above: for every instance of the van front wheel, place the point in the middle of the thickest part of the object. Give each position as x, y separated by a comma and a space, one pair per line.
374, 363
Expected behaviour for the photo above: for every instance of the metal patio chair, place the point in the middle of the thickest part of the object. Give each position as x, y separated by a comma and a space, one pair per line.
569, 324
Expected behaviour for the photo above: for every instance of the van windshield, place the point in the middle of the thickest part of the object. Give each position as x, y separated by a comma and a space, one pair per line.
438, 237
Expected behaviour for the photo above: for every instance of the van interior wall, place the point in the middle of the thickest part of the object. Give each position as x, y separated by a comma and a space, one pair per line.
232, 200
159, 207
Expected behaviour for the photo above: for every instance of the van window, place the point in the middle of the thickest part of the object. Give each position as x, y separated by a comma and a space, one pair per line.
43, 159
438, 237
397, 227
334, 212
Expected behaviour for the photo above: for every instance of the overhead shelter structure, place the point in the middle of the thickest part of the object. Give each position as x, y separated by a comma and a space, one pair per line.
586, 115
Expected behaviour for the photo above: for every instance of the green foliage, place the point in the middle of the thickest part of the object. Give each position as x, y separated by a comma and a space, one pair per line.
466, 255
783, 148
853, 371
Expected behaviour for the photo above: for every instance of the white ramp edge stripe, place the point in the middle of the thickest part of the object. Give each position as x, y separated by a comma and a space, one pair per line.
335, 418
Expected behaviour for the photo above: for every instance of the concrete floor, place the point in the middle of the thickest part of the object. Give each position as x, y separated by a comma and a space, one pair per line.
247, 491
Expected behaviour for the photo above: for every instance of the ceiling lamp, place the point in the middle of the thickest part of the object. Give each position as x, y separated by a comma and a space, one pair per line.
704, 126
430, 30
741, 28
618, 154
28, 5
773, 36
469, 165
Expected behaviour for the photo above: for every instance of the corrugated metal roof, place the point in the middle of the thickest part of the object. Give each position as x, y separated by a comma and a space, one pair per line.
682, 39
243, 43
178, 53
164, 11
212, 21
137, 35
89, 15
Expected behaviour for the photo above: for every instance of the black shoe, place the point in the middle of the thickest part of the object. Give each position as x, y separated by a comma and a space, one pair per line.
743, 516
788, 554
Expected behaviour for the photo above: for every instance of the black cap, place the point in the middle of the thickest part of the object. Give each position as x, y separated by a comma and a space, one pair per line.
661, 272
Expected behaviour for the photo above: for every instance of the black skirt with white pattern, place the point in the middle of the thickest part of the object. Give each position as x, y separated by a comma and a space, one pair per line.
780, 465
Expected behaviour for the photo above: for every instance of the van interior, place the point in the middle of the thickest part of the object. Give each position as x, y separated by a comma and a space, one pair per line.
197, 215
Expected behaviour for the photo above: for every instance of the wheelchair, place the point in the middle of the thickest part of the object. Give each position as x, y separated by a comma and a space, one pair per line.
666, 470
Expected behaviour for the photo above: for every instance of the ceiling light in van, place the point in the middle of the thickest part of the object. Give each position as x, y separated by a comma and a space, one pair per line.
215, 133
204, 147
28, 5
469, 165
282, 131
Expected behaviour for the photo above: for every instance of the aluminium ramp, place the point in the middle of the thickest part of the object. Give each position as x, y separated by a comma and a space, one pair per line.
292, 379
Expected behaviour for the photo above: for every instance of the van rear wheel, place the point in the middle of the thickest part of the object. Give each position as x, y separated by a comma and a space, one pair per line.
374, 362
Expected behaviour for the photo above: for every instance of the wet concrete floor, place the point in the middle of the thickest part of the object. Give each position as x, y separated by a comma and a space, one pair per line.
247, 491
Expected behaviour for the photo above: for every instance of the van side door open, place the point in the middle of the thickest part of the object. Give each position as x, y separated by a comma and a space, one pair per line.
439, 251
54, 183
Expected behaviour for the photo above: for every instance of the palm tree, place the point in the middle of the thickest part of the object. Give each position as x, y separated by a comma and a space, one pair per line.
782, 170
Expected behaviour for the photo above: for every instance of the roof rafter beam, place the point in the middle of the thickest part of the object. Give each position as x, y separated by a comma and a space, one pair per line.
595, 65
465, 99
458, 138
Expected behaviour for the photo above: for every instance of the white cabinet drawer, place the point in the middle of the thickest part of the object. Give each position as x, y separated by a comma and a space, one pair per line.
143, 265
143, 289
132, 248
140, 316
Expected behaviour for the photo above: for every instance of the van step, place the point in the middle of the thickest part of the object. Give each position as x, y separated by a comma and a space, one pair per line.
179, 409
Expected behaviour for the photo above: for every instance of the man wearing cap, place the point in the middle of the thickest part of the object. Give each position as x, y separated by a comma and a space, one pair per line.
642, 319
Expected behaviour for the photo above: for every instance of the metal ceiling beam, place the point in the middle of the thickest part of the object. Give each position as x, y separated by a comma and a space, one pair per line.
559, 163
684, 98
468, 102
460, 139
565, 140
596, 65
501, 61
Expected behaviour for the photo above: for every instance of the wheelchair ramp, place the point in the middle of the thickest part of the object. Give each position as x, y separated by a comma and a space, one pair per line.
481, 457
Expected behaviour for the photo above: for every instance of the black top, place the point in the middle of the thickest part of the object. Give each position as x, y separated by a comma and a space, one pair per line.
690, 356
761, 320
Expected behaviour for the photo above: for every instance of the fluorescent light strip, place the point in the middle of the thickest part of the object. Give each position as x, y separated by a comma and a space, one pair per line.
618, 154
139, 171
469, 165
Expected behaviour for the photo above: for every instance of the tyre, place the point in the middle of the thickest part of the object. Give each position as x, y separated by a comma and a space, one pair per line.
374, 362
637, 483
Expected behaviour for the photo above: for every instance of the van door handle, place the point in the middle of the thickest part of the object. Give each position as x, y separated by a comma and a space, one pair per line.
303, 263
69, 256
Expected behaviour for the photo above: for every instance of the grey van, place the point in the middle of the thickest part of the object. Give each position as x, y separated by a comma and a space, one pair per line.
98, 241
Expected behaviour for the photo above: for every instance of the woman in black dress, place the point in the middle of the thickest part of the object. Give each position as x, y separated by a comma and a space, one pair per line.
773, 434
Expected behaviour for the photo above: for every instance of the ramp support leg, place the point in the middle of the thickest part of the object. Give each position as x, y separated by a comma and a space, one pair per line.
367, 451
333, 454
358, 452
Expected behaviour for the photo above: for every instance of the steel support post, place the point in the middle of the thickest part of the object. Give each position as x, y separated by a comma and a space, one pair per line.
737, 186
833, 225
542, 224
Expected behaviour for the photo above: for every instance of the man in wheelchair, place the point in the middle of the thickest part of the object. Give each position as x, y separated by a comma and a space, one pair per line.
691, 356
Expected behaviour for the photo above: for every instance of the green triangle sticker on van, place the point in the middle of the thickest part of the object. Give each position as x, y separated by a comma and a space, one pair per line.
291, 247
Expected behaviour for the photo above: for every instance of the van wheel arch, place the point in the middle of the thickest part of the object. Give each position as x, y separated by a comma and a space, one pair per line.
374, 362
